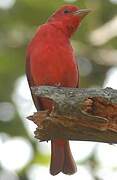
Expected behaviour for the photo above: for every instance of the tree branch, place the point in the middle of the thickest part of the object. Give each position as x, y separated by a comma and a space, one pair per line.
77, 114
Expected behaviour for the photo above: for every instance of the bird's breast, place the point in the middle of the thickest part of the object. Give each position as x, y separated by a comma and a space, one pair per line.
52, 59
52, 66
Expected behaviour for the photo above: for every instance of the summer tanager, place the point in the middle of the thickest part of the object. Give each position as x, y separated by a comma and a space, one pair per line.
50, 60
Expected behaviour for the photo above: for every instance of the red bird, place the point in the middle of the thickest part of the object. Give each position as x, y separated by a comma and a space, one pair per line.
51, 61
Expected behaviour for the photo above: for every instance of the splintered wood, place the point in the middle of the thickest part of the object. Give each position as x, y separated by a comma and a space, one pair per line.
78, 114
101, 107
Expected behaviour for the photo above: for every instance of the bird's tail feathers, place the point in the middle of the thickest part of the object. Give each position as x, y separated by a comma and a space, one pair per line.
61, 158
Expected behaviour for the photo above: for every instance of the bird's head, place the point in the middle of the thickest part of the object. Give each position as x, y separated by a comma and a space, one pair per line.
68, 18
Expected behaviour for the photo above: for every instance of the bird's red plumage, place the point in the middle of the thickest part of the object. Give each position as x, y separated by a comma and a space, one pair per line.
51, 61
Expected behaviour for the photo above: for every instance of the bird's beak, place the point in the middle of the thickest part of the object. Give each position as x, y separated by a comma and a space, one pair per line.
82, 12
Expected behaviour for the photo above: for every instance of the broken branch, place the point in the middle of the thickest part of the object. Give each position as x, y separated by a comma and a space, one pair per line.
77, 114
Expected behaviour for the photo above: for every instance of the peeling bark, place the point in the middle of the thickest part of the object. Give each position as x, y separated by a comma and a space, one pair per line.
78, 114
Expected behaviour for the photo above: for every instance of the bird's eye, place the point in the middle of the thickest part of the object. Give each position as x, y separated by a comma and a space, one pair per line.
66, 11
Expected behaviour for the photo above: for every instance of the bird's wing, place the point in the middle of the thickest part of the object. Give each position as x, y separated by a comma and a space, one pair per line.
30, 81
